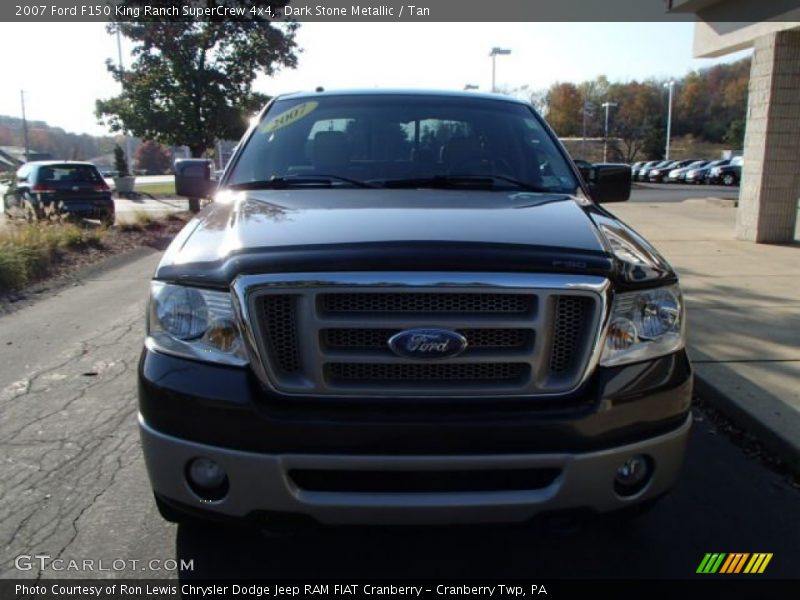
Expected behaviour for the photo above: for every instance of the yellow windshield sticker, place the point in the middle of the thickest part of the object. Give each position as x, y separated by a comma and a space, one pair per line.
288, 117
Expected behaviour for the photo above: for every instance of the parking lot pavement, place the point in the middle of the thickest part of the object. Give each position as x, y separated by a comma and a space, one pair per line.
677, 192
744, 313
74, 483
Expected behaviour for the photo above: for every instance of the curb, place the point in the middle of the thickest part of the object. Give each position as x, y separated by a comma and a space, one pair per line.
787, 449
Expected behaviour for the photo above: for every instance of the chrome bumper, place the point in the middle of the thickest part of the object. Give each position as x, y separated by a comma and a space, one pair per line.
261, 482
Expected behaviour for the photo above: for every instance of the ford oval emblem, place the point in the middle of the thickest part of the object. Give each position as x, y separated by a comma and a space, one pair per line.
427, 344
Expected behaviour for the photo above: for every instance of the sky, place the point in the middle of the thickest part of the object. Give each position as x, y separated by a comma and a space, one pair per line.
62, 66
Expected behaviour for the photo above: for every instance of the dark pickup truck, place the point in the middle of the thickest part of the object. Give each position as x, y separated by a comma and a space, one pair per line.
410, 307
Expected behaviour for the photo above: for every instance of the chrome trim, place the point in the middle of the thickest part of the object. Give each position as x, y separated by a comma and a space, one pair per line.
246, 287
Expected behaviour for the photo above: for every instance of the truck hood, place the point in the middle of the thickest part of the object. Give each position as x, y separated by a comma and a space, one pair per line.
360, 229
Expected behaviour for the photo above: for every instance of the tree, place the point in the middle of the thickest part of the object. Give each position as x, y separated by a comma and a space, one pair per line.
120, 162
565, 109
154, 158
637, 122
190, 83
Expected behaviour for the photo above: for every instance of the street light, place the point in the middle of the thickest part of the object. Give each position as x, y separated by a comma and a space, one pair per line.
670, 85
494, 54
606, 105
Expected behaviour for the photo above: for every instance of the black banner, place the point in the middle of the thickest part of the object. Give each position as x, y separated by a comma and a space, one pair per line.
733, 587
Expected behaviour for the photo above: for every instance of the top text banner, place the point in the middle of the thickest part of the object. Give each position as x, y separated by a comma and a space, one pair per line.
383, 10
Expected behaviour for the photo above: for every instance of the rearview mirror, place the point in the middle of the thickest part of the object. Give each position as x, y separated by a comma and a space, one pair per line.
609, 182
193, 178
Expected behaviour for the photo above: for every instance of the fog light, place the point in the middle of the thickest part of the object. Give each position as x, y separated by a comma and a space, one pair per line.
207, 479
633, 475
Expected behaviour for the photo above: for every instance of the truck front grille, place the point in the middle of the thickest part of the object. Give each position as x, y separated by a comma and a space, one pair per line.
572, 314
423, 482
315, 339
377, 339
416, 373
429, 303
280, 329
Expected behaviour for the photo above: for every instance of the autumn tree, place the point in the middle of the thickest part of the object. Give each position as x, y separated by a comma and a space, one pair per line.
565, 109
191, 82
637, 123
153, 157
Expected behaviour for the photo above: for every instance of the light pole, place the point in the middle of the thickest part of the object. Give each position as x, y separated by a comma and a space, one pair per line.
669, 85
494, 54
24, 125
606, 105
121, 68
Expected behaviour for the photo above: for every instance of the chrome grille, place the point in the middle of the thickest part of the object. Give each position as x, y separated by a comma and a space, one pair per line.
279, 329
377, 339
427, 303
327, 334
572, 313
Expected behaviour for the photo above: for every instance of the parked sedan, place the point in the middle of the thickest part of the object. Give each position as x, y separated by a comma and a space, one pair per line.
678, 174
698, 175
641, 174
729, 174
660, 175
49, 189
635, 167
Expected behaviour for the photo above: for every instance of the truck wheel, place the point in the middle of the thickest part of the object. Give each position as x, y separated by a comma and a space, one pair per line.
728, 179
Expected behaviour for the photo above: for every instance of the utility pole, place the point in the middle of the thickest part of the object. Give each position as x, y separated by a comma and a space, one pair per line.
122, 68
25, 126
606, 105
670, 85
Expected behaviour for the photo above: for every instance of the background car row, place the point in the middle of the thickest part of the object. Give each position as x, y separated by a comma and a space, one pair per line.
724, 171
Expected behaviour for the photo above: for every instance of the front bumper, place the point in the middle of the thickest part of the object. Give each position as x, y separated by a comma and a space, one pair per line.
260, 483
190, 409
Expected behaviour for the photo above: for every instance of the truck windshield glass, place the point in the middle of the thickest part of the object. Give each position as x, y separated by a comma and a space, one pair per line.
403, 141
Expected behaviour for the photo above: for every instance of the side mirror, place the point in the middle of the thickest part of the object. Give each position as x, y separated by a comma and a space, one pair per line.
609, 182
193, 178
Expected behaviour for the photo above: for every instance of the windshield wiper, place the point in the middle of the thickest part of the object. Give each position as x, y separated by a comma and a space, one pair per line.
459, 181
281, 183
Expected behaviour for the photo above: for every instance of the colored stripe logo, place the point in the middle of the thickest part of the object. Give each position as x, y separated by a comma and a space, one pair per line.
733, 563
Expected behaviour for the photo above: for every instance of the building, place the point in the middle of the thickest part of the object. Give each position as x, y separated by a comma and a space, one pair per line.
13, 157
770, 184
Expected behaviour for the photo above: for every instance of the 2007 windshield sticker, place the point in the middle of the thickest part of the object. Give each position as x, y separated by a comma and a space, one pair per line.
288, 117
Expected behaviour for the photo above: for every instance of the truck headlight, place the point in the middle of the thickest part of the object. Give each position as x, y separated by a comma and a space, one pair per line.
644, 325
194, 323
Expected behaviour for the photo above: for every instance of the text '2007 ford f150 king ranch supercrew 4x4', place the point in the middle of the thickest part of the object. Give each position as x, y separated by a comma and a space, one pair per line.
409, 307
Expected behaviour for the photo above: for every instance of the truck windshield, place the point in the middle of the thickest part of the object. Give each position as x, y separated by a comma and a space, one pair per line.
402, 141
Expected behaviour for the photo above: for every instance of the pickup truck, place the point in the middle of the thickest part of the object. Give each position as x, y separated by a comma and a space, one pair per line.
409, 308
